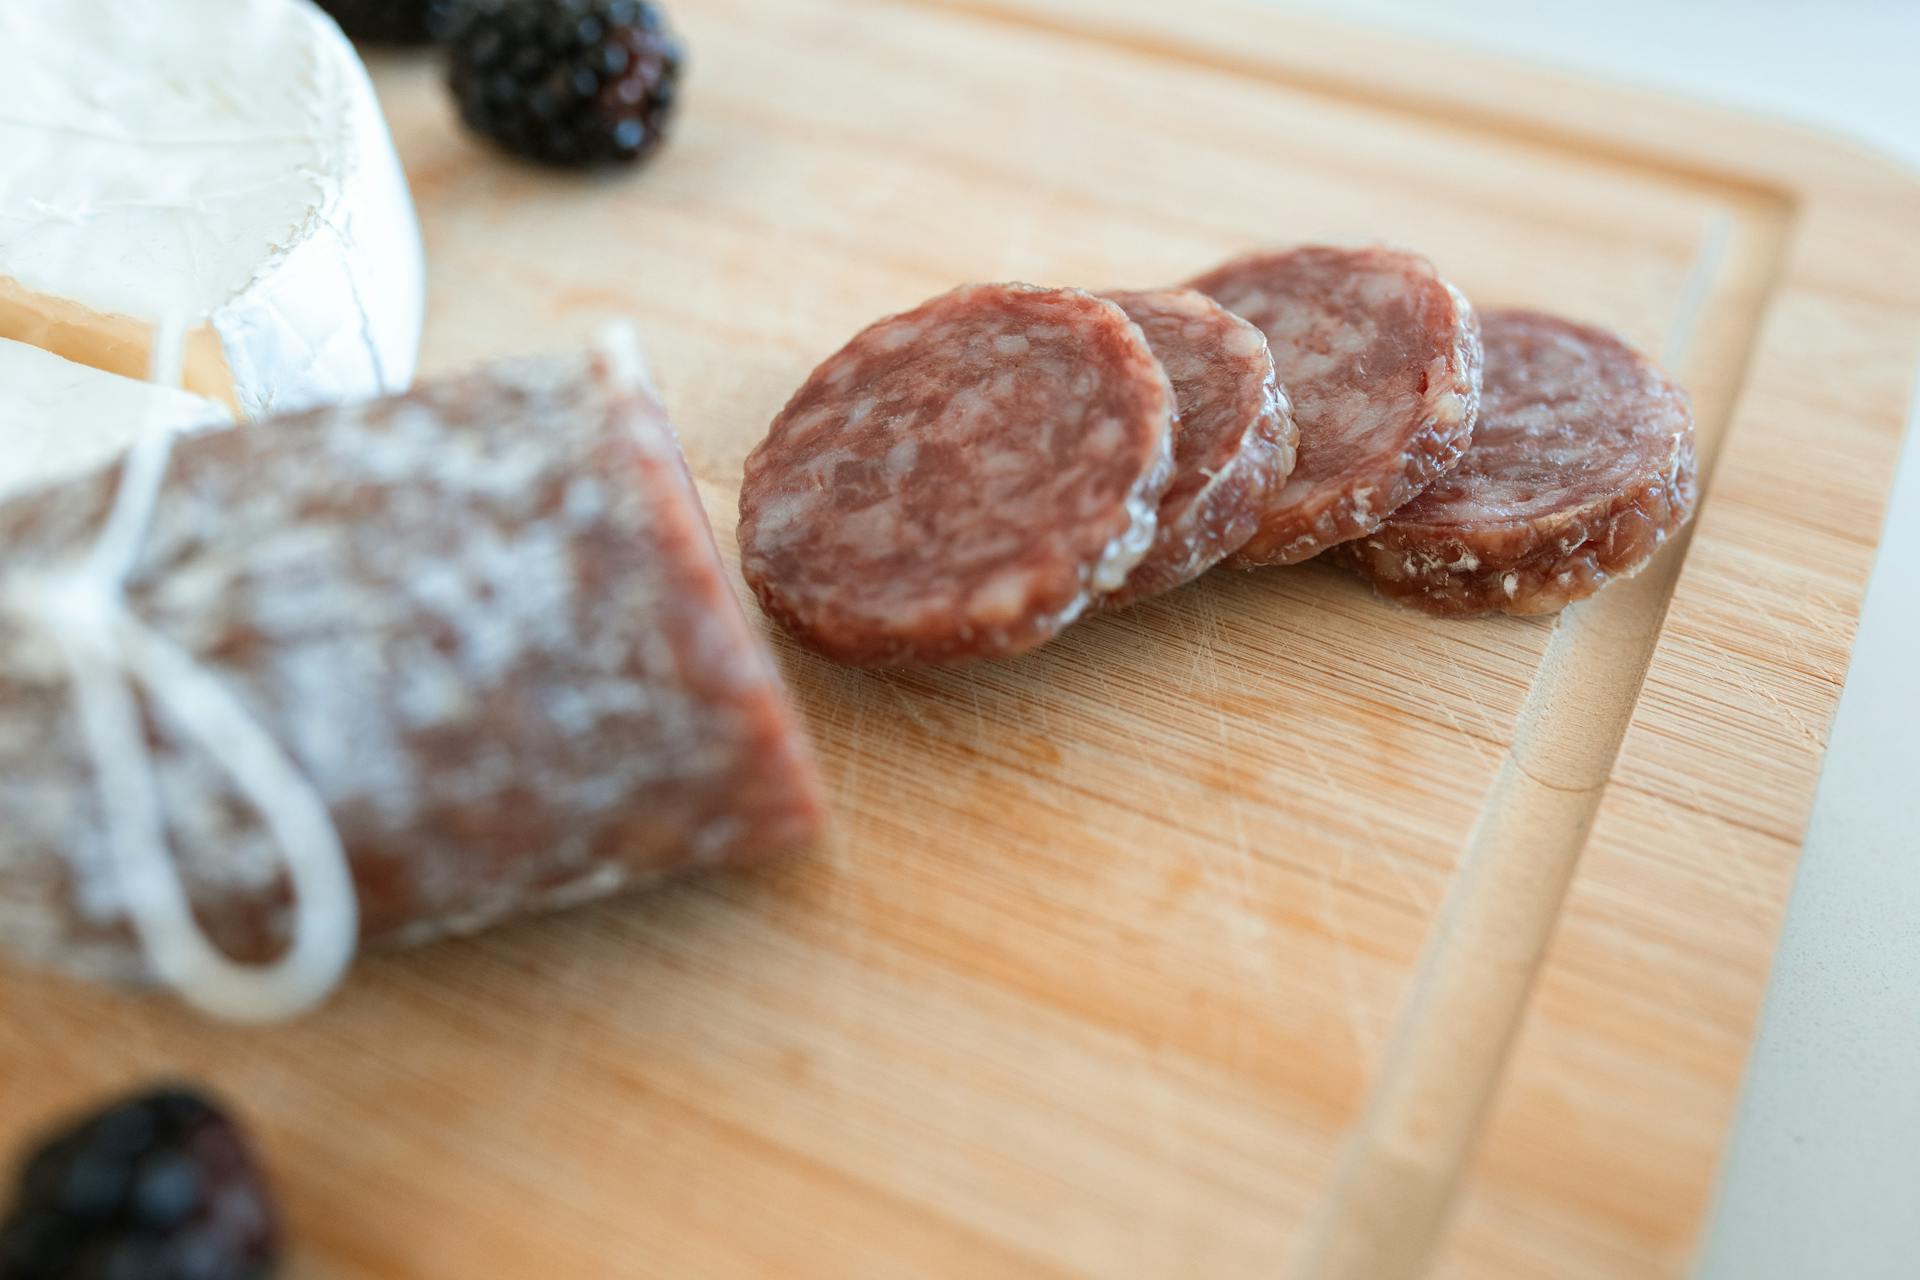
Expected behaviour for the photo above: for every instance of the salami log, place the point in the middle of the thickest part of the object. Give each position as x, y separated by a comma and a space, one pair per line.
1233, 435
962, 480
484, 625
1381, 358
1582, 465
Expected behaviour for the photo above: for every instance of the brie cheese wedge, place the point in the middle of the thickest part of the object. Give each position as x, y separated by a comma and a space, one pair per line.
59, 419
222, 164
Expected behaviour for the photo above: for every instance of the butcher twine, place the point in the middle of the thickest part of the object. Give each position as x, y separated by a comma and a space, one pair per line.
83, 609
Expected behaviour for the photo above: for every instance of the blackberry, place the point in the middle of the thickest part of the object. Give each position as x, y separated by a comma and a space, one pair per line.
389, 21
161, 1186
567, 82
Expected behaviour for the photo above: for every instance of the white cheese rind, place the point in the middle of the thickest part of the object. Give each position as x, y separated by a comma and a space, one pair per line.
223, 161
59, 419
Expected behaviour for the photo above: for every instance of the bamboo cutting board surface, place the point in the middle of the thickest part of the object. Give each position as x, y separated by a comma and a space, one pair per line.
1261, 929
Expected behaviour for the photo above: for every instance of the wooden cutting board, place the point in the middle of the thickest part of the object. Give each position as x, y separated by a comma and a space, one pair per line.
1250, 929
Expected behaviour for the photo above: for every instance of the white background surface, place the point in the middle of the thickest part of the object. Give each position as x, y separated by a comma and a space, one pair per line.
1822, 1180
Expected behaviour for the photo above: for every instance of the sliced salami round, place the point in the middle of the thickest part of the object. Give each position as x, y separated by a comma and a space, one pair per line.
1381, 359
1582, 465
1233, 435
962, 480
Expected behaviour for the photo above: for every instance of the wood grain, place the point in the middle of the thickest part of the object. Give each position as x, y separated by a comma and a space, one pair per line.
1188, 944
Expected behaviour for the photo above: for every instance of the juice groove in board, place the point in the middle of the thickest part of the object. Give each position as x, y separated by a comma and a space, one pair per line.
1427, 1106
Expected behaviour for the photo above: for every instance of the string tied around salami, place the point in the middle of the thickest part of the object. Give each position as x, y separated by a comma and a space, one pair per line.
108, 651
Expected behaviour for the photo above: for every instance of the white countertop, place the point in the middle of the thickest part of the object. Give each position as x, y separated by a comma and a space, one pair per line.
1823, 1168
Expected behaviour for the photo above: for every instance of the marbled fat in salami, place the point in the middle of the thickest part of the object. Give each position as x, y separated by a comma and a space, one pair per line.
962, 480
1381, 359
1233, 437
1582, 465
487, 623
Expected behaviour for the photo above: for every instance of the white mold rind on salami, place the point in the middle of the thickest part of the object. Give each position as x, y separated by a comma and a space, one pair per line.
962, 480
1234, 436
1381, 359
1581, 467
487, 623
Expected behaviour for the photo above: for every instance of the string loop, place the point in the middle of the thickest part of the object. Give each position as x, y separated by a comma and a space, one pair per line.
107, 651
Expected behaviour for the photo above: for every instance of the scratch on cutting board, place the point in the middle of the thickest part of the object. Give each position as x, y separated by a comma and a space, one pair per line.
852, 771
1397, 864
1798, 601
1737, 670
1489, 733
1476, 744
909, 706
1789, 640
1245, 920
1247, 926
1366, 1024
1137, 747
1203, 666
1363, 1021
979, 709
1767, 615
849, 781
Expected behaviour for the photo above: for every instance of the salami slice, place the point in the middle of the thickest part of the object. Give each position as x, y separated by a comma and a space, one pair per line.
485, 623
1233, 435
1381, 358
1582, 465
962, 480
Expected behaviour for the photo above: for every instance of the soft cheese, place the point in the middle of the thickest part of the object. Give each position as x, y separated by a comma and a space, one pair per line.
59, 419
224, 162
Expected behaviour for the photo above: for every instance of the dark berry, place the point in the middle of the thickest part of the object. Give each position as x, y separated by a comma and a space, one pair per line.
390, 21
159, 1187
570, 82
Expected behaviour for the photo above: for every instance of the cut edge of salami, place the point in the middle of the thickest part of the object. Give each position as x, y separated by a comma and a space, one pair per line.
931, 637
1585, 551
1531, 566
1442, 439
1341, 513
1125, 551
1215, 520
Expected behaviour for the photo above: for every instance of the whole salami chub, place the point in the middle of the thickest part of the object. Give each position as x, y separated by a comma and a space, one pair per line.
962, 480
1582, 465
1381, 359
485, 622
1233, 437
